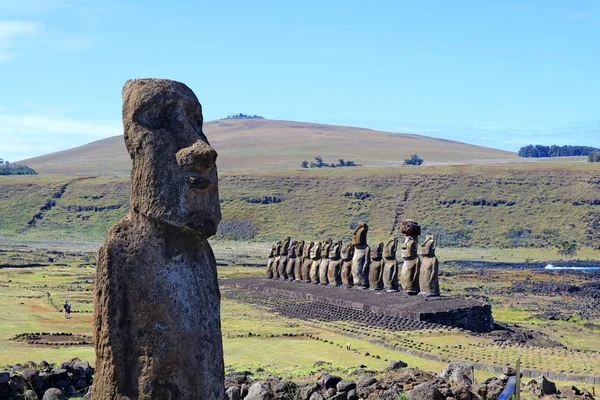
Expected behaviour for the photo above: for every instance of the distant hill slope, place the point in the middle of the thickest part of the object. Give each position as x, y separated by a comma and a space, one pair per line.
263, 143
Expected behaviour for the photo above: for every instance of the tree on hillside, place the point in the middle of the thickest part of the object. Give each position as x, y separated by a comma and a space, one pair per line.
567, 249
594, 156
413, 160
304, 164
6, 168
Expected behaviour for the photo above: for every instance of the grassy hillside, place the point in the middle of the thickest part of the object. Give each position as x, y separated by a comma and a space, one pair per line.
475, 205
261, 143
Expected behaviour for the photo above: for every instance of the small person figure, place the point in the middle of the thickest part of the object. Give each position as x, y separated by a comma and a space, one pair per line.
67, 307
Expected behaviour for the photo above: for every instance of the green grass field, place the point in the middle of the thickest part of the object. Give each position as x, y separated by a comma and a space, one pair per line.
267, 343
516, 206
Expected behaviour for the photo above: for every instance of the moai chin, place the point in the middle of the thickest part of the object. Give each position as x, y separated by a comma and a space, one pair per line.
324, 265
307, 262
428, 274
361, 259
376, 267
157, 329
409, 275
390, 266
334, 268
347, 254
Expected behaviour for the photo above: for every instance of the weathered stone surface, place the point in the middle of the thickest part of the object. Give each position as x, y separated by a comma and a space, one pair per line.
345, 386
233, 393
324, 265
260, 391
365, 381
299, 261
376, 267
428, 273
396, 365
424, 391
334, 268
53, 394
328, 381
409, 275
459, 373
30, 395
361, 259
307, 261
283, 258
315, 256
390, 265
157, 319
347, 254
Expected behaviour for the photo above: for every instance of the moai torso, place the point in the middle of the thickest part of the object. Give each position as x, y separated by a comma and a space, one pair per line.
315, 255
347, 254
323, 267
428, 274
334, 268
299, 260
290, 268
376, 268
361, 259
390, 266
409, 275
157, 305
307, 261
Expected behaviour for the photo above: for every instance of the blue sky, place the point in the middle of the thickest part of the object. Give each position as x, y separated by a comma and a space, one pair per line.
498, 73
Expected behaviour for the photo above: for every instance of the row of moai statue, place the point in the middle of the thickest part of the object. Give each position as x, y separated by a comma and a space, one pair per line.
358, 265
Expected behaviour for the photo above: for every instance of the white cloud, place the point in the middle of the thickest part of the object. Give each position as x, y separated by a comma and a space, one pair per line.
21, 7
38, 123
28, 135
11, 32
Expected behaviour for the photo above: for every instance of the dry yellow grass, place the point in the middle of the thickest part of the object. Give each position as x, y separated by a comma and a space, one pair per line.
263, 143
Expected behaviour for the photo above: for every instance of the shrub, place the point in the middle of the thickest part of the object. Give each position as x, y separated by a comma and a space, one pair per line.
413, 160
594, 156
567, 248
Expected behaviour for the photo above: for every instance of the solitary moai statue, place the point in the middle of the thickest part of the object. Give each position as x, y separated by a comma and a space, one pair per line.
283, 257
315, 256
361, 258
428, 274
346, 274
376, 267
334, 269
270, 262
290, 268
307, 261
157, 329
324, 265
299, 261
276, 260
390, 266
409, 276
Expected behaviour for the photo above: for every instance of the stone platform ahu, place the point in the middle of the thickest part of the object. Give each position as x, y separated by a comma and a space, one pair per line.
452, 311
157, 326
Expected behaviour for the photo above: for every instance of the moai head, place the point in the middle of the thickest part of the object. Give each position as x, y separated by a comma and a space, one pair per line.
272, 252
285, 246
347, 252
390, 248
335, 250
359, 237
377, 251
428, 246
325, 246
307, 249
315, 251
292, 249
174, 172
300, 248
277, 248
